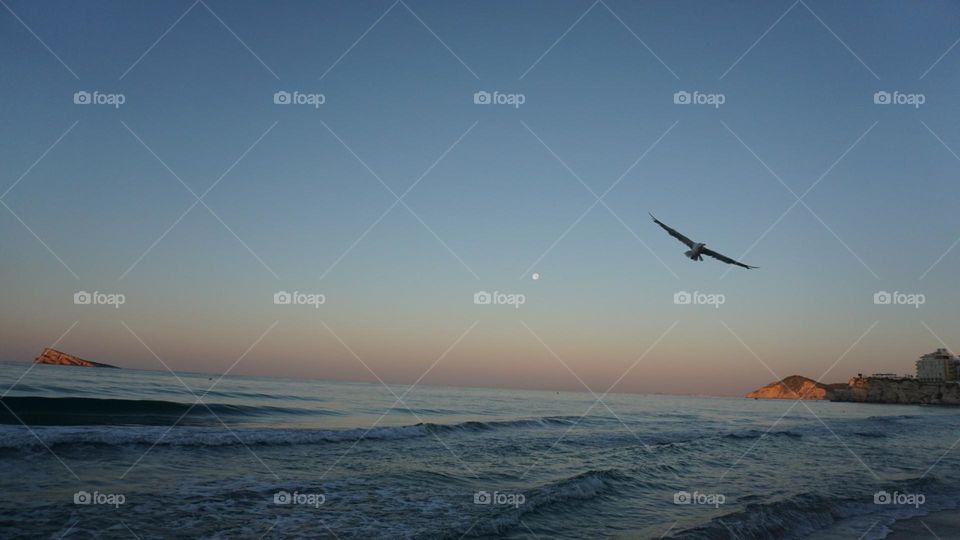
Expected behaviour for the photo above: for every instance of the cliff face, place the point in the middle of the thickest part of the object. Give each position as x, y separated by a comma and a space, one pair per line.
55, 357
908, 391
793, 387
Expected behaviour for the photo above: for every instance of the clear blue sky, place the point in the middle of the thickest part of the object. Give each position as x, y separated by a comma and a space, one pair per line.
599, 94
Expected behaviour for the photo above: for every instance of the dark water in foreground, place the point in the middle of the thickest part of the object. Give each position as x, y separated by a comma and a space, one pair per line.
286, 458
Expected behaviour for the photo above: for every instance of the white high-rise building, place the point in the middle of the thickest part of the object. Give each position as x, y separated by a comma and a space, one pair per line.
939, 365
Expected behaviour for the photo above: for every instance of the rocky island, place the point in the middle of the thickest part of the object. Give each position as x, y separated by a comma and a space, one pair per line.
58, 358
796, 387
896, 390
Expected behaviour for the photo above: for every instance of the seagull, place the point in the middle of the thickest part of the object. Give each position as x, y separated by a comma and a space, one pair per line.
698, 249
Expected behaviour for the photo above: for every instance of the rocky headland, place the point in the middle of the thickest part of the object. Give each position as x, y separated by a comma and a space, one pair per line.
58, 358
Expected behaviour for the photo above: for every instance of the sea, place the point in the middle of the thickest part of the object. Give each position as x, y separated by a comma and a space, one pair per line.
117, 453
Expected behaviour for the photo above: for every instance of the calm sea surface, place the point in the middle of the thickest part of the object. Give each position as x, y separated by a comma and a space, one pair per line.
123, 453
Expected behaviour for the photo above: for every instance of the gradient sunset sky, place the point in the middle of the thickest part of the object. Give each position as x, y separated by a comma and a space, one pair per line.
93, 198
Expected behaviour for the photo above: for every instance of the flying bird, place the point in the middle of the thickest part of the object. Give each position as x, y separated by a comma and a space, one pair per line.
698, 249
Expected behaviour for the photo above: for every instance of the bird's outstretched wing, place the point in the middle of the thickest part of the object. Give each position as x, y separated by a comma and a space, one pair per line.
724, 258
673, 232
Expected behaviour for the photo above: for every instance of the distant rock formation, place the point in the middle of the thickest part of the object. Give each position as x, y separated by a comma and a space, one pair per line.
55, 357
904, 390
796, 387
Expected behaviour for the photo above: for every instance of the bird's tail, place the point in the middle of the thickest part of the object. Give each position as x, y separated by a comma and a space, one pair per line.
691, 256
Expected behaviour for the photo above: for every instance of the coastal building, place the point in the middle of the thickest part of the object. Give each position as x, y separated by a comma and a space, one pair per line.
939, 365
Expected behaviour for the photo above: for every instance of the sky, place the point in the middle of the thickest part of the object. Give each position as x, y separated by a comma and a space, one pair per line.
390, 192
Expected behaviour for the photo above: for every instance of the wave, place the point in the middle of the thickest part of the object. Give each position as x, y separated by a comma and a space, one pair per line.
22, 437
69, 411
575, 489
756, 434
801, 515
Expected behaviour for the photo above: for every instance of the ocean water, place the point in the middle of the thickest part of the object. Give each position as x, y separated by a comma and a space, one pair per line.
275, 458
